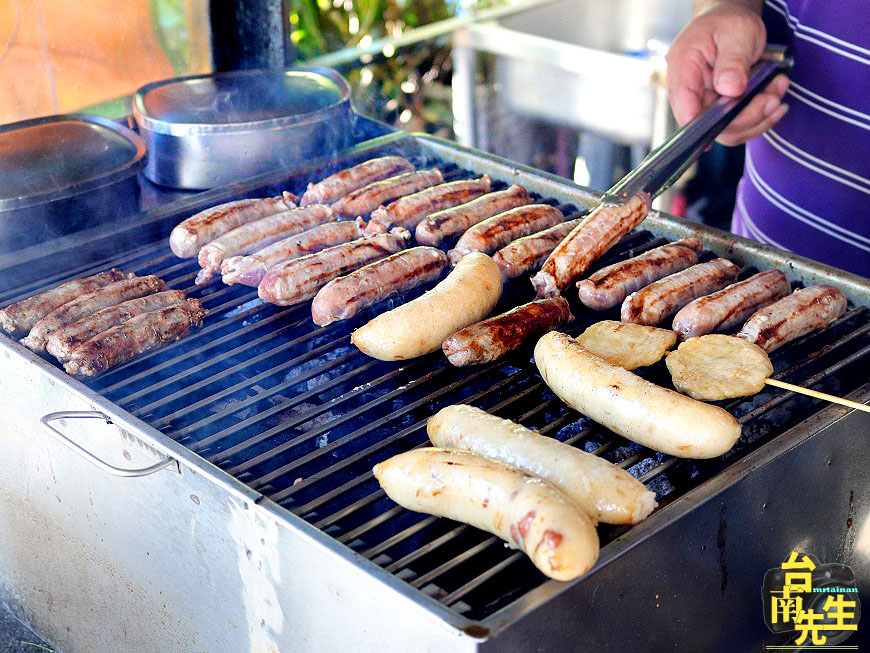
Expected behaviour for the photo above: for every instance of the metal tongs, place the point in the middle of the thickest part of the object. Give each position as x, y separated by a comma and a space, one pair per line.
665, 164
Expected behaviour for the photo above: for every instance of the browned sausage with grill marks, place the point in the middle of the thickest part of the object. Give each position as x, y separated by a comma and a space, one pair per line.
138, 335
191, 234
797, 314
250, 270
499, 230
254, 236
18, 319
334, 187
726, 308
344, 297
445, 224
598, 232
409, 210
64, 342
88, 304
295, 281
612, 284
363, 201
529, 252
654, 303
493, 338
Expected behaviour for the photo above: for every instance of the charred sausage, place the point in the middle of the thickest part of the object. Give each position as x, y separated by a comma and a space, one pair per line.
529, 252
297, 280
344, 297
334, 187
363, 201
728, 307
445, 224
792, 316
661, 298
19, 318
191, 234
598, 232
612, 284
489, 340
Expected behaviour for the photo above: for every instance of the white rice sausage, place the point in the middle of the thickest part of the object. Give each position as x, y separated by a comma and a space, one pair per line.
527, 512
606, 492
641, 411
467, 295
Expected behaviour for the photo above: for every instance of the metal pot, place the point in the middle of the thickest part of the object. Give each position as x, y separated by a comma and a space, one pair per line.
209, 130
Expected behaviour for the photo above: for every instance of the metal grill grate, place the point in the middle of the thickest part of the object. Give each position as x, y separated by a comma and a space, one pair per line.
300, 415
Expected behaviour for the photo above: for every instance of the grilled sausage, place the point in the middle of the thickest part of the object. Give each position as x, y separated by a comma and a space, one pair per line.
364, 200
445, 224
529, 252
297, 280
612, 284
18, 319
88, 304
654, 303
792, 316
344, 297
410, 210
728, 307
254, 236
467, 295
496, 232
65, 341
250, 270
526, 512
600, 231
606, 492
488, 340
191, 234
641, 411
334, 187
136, 336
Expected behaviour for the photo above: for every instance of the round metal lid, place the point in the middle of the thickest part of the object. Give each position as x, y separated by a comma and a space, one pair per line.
237, 101
51, 158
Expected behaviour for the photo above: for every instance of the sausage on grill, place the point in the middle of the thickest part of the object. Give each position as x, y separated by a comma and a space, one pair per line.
728, 307
654, 303
529, 252
297, 280
792, 316
88, 304
499, 230
445, 224
344, 297
18, 319
606, 492
488, 340
65, 341
363, 201
136, 336
254, 236
334, 187
598, 232
528, 513
191, 234
631, 406
410, 210
467, 295
249, 270
612, 284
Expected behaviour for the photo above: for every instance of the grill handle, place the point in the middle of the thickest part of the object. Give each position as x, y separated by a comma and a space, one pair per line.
46, 421
664, 165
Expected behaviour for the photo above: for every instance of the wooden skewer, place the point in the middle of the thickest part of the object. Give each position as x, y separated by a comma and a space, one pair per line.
817, 394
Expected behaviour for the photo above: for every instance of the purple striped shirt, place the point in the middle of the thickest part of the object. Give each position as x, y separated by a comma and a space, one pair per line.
806, 182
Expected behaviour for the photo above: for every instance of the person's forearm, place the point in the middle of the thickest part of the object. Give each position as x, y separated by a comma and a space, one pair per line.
702, 6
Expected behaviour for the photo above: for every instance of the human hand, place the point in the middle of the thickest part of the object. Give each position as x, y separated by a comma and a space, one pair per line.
712, 57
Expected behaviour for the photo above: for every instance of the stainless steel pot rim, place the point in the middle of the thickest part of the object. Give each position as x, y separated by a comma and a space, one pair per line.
159, 126
115, 175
